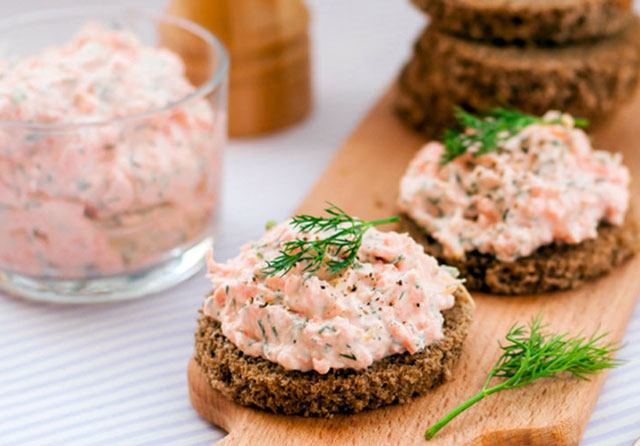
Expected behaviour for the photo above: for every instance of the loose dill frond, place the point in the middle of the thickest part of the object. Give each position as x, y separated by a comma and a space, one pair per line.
532, 352
484, 132
337, 251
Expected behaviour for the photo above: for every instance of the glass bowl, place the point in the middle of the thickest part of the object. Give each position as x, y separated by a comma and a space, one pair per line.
107, 192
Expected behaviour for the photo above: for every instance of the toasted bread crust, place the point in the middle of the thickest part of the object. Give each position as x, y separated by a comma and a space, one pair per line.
550, 268
589, 80
549, 22
257, 382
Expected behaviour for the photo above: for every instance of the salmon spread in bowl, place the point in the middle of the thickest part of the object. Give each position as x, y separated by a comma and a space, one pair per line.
105, 167
389, 301
545, 184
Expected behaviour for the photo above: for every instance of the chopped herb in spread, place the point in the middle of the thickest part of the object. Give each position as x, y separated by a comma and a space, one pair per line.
484, 133
114, 198
337, 250
516, 183
322, 321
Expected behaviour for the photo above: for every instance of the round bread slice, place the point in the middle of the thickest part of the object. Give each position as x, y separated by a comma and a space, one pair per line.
589, 80
553, 267
429, 114
257, 382
544, 22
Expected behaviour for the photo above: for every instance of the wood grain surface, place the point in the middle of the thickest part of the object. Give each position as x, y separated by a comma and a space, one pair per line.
363, 180
268, 42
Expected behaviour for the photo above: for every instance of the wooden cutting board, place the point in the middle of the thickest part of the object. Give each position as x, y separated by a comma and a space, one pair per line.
363, 180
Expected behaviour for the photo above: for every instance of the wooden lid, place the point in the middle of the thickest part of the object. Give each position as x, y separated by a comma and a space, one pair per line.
284, 58
270, 103
248, 26
269, 78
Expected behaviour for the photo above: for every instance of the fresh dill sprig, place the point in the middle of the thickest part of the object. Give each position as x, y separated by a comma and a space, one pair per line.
533, 353
484, 132
337, 251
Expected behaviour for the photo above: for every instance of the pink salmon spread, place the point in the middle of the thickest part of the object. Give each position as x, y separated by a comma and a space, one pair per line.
544, 185
389, 301
106, 192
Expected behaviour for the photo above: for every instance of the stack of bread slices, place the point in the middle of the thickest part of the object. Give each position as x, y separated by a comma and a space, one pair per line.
578, 56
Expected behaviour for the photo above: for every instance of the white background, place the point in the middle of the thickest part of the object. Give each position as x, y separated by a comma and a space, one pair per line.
115, 374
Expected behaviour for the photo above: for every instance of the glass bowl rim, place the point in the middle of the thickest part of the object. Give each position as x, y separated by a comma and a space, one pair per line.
42, 16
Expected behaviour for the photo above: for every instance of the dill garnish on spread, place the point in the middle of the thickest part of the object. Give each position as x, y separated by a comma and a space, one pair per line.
537, 182
337, 251
339, 293
483, 133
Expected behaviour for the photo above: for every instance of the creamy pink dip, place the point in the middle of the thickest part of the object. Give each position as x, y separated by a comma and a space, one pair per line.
104, 198
389, 302
544, 185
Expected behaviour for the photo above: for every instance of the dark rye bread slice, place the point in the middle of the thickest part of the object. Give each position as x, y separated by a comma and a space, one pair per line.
257, 382
543, 22
589, 80
550, 268
428, 114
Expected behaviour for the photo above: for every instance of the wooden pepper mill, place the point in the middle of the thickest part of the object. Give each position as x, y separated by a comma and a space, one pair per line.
268, 42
